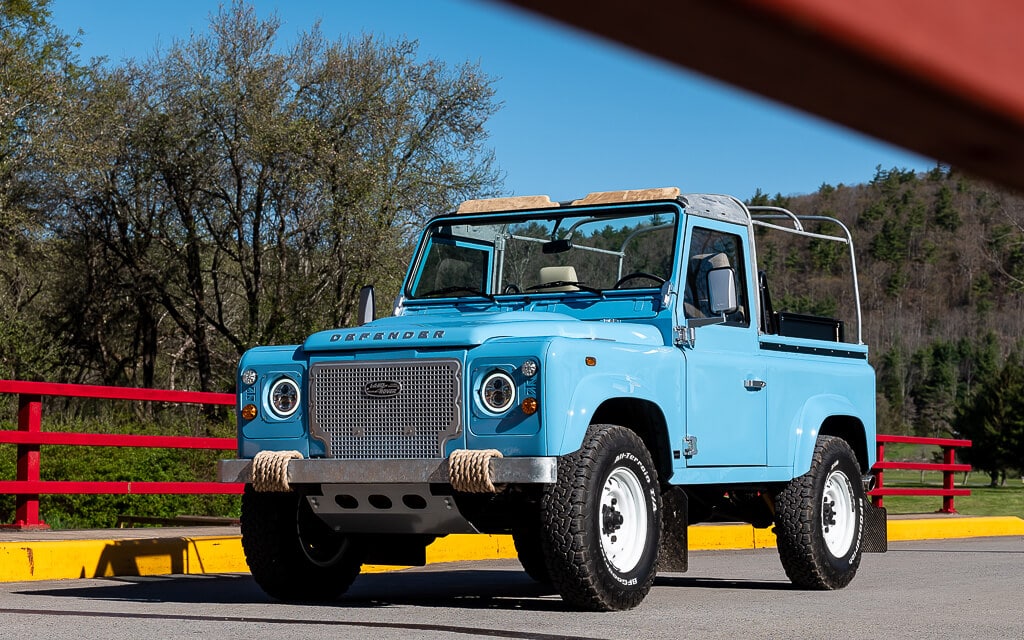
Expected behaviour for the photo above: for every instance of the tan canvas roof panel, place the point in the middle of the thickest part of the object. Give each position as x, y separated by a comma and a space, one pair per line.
513, 203
630, 195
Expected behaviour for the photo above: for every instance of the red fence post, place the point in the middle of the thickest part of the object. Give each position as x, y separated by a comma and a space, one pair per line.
948, 467
877, 500
30, 418
948, 479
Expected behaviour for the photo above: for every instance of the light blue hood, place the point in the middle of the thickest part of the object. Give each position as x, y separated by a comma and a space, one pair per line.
460, 330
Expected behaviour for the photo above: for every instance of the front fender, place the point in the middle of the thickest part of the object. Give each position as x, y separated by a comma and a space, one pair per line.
577, 390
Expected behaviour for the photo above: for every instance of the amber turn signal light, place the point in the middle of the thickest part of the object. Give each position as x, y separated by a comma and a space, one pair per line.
529, 406
249, 411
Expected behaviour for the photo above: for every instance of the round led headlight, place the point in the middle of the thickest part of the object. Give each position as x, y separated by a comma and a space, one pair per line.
498, 392
284, 397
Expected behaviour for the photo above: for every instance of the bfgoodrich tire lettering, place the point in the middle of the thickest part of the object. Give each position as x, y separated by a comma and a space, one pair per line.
291, 553
602, 522
819, 519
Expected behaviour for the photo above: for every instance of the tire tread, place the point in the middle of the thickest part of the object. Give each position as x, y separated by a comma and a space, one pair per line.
274, 555
796, 523
572, 563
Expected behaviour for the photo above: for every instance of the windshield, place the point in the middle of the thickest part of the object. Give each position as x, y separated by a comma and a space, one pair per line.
546, 252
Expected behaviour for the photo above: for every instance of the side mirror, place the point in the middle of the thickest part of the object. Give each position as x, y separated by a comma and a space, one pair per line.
367, 306
723, 299
722, 290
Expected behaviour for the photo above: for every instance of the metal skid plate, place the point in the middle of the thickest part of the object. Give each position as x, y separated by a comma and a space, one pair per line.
391, 508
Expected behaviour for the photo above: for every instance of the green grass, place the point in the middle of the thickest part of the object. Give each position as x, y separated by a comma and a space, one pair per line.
983, 501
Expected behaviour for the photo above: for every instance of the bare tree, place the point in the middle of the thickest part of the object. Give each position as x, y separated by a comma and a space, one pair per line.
246, 194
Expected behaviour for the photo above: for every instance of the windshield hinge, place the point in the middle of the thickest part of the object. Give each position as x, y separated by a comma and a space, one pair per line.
665, 294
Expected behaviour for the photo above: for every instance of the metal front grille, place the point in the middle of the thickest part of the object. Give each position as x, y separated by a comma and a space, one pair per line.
413, 423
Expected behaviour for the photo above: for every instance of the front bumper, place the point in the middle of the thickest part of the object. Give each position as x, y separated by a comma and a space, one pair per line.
525, 470
391, 496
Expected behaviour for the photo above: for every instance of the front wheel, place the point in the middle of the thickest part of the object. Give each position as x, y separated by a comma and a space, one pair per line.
602, 522
531, 553
819, 519
292, 554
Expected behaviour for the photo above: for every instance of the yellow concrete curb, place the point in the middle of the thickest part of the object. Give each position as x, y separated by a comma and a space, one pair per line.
739, 536
722, 537
56, 560
942, 527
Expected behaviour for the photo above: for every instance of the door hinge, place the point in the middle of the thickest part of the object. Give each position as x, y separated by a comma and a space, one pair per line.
690, 449
684, 336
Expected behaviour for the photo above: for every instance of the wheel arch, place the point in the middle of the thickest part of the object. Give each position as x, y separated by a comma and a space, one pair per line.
851, 429
830, 415
646, 419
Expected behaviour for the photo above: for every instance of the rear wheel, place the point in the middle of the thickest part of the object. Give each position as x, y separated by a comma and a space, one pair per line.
292, 554
602, 522
819, 519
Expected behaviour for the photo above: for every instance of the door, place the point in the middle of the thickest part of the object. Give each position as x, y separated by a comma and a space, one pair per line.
726, 386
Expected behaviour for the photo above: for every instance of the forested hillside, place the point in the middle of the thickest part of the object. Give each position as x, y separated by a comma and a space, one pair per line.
941, 264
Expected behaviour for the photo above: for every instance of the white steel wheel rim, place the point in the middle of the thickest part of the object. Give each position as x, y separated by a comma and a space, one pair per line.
623, 519
838, 521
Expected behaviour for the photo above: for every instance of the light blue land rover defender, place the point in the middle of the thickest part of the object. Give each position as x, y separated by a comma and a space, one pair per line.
589, 376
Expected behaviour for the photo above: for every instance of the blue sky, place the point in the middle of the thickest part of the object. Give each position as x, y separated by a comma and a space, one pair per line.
578, 115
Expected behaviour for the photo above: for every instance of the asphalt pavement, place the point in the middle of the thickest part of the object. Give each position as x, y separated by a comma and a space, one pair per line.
950, 589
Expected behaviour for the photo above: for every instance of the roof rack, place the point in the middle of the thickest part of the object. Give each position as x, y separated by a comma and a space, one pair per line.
759, 215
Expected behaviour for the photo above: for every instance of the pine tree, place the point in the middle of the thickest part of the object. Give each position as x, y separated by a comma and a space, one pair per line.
994, 422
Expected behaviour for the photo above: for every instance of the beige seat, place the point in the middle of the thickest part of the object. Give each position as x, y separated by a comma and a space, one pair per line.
557, 274
700, 307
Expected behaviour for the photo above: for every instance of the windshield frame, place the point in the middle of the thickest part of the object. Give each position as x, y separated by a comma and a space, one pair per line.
584, 215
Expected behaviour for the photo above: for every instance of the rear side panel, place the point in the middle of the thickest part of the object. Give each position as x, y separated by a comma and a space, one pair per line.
810, 381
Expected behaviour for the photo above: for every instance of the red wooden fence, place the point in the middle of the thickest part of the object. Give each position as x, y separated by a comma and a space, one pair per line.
949, 467
29, 436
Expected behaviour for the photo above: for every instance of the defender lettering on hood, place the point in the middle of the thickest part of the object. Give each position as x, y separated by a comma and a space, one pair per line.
387, 335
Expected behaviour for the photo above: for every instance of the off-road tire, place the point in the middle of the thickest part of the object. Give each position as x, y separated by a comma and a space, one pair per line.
292, 554
820, 543
530, 551
602, 553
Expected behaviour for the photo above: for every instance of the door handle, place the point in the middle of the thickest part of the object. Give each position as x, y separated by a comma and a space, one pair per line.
755, 385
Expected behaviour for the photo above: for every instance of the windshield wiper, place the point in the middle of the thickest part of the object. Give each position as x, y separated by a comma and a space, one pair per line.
443, 291
567, 283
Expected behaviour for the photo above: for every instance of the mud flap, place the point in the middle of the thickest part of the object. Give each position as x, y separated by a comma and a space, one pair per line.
876, 534
672, 556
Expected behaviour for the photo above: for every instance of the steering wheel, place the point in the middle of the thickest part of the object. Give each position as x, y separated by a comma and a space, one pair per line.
511, 288
638, 274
